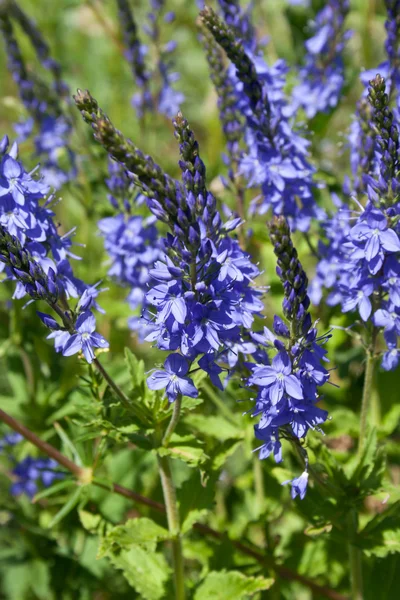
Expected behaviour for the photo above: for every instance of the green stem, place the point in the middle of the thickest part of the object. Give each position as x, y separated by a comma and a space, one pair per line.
176, 412
355, 558
368, 391
171, 505
173, 524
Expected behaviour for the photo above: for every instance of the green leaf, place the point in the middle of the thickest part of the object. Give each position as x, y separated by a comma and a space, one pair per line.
194, 495
225, 585
147, 572
185, 448
69, 444
222, 452
89, 521
390, 421
215, 426
367, 473
57, 487
193, 517
20, 580
381, 536
142, 531
73, 501
191, 403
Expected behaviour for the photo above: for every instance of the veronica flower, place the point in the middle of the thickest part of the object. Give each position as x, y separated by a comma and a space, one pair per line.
201, 299
322, 76
299, 485
364, 263
277, 157
85, 338
30, 472
43, 103
173, 378
278, 379
35, 256
287, 389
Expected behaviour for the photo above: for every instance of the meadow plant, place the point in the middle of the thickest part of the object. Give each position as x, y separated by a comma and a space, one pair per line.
249, 271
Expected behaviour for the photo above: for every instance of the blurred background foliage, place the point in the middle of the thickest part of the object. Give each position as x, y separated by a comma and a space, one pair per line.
43, 388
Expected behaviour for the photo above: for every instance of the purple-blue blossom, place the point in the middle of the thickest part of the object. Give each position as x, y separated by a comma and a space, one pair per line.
173, 378
85, 339
31, 472
277, 379
276, 157
322, 76
37, 257
288, 387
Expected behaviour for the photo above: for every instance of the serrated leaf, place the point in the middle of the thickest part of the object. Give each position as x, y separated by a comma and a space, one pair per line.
193, 457
315, 531
147, 572
142, 531
360, 470
225, 585
186, 448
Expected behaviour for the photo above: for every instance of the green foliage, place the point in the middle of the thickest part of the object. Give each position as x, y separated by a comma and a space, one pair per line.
79, 540
132, 549
225, 585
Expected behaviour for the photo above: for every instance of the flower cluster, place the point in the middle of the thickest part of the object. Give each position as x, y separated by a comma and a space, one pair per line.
36, 256
166, 100
322, 76
364, 265
364, 159
42, 101
28, 473
201, 298
287, 389
277, 156
130, 240
31, 472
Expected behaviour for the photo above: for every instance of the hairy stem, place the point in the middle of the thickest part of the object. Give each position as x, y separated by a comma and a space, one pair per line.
176, 412
173, 524
171, 505
368, 391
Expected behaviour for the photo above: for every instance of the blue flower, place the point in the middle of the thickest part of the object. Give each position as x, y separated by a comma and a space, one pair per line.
85, 338
299, 485
358, 295
373, 237
173, 378
322, 76
30, 472
17, 183
278, 379
208, 364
